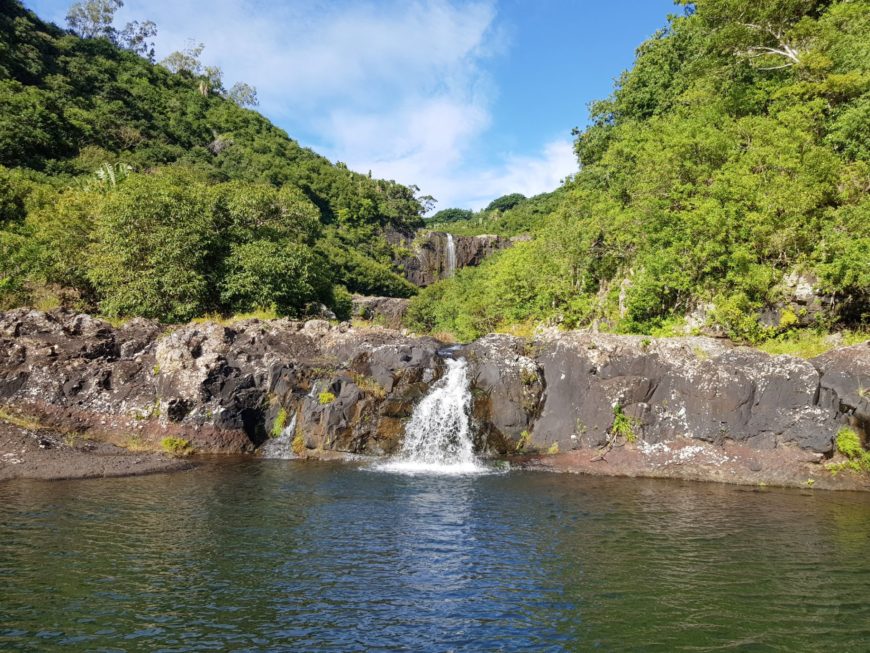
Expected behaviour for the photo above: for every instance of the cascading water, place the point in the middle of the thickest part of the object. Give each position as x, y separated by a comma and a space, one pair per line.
438, 436
282, 446
450, 268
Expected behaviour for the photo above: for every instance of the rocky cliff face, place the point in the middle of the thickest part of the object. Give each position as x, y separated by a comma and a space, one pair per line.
568, 387
228, 388
430, 259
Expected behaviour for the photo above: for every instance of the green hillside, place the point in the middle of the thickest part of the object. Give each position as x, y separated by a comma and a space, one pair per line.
132, 190
730, 165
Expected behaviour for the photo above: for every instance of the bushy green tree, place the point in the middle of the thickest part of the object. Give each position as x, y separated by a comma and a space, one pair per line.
273, 274
505, 202
452, 215
154, 246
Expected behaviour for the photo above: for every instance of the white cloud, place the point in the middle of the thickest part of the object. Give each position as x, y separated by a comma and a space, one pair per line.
396, 87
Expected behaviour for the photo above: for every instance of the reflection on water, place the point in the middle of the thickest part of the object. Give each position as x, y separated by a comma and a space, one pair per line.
281, 555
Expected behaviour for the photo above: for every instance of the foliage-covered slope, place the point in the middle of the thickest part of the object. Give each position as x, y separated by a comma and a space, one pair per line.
732, 159
70, 106
510, 215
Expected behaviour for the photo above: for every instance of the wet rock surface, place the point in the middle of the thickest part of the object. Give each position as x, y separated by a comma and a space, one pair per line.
330, 388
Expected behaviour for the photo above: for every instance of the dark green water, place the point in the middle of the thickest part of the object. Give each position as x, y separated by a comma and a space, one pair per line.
313, 557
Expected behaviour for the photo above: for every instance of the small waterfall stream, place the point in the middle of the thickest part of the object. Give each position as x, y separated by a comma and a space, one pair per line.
450, 268
438, 435
282, 446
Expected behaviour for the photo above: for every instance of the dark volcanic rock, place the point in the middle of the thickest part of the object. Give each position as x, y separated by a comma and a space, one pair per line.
335, 388
673, 388
507, 386
220, 387
845, 383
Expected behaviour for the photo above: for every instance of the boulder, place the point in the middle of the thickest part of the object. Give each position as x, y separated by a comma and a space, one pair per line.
384, 311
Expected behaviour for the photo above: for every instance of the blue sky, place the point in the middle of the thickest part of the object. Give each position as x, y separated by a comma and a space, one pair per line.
468, 100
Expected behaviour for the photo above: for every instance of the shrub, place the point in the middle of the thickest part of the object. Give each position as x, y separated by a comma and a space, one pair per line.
849, 444
279, 423
175, 446
368, 385
342, 303
623, 425
326, 397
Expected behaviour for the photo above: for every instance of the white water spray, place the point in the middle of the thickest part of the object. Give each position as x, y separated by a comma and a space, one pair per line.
450, 269
438, 436
282, 446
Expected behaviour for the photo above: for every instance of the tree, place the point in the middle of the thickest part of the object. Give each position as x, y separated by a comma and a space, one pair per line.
92, 19
153, 250
243, 94
212, 80
506, 202
452, 215
137, 37
185, 61
274, 274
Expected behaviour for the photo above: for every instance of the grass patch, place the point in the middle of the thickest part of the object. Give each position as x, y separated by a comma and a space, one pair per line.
524, 442
20, 421
218, 318
298, 444
623, 425
326, 398
700, 353
809, 344
115, 321
176, 446
279, 423
136, 443
525, 330
849, 444
368, 385
447, 337
554, 449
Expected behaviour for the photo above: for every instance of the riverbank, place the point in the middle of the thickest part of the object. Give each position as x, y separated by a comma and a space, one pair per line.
690, 460
47, 455
692, 407
44, 454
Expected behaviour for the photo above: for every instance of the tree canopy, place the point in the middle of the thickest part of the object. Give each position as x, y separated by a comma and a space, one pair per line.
130, 188
732, 158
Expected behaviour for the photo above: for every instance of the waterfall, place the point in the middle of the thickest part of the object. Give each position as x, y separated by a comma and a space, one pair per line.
438, 435
282, 446
450, 268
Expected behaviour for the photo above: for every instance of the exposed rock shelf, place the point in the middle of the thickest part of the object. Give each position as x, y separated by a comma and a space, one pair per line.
227, 388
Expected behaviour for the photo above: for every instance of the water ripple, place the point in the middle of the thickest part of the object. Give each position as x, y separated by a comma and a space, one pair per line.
282, 555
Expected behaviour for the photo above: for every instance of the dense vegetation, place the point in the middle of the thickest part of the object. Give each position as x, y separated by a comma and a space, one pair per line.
733, 158
130, 189
509, 215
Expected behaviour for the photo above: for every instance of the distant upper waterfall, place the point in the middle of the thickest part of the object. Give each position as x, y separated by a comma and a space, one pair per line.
450, 268
438, 435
